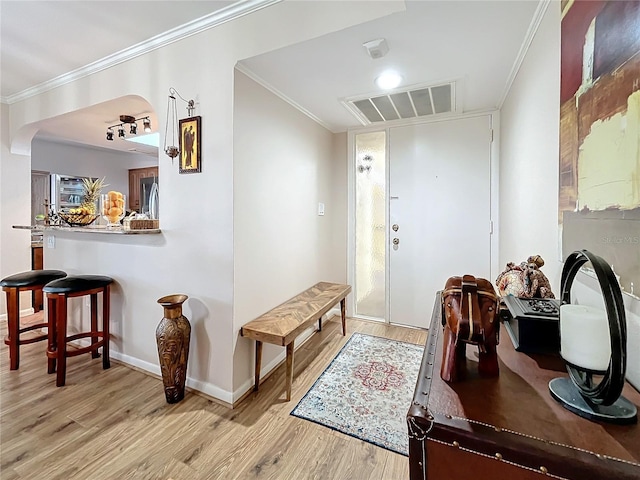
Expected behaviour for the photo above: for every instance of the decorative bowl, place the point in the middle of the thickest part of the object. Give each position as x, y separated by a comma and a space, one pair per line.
78, 219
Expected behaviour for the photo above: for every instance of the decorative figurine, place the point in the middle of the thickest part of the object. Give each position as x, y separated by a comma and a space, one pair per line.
470, 316
525, 280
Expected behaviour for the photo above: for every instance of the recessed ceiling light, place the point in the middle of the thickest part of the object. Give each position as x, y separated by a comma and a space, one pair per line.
388, 80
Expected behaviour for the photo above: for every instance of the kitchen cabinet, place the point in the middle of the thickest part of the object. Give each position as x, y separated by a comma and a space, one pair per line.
135, 174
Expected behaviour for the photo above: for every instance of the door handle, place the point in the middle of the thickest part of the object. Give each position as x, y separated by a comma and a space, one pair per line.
396, 241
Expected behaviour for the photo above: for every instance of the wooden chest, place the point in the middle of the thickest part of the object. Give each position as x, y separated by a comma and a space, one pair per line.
509, 427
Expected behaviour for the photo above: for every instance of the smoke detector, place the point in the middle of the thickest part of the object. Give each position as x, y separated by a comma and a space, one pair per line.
376, 48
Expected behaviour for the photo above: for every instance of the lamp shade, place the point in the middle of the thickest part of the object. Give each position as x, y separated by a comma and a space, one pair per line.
584, 337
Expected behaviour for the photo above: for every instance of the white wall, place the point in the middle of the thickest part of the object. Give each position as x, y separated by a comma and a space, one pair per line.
84, 161
529, 175
194, 253
529, 154
283, 166
15, 209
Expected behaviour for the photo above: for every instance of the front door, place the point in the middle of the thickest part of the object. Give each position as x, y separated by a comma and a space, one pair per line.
439, 211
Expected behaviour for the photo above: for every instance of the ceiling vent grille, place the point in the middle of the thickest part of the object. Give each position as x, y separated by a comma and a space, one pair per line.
414, 103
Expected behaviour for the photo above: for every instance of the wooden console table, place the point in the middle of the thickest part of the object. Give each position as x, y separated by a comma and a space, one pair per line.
509, 426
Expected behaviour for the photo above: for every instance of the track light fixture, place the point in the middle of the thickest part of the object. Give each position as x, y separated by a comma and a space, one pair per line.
172, 122
133, 126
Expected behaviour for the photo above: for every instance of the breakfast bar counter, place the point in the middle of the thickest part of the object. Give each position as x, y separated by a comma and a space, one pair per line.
90, 229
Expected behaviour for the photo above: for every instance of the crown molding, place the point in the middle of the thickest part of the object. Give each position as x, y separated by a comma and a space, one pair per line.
524, 48
226, 14
242, 68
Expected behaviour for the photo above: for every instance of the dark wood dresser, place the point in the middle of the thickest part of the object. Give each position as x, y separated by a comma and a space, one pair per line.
509, 427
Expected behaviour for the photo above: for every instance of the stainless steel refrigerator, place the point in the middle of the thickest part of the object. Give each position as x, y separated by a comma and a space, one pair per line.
149, 197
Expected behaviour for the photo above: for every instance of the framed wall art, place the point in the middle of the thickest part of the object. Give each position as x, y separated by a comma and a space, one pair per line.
190, 145
599, 198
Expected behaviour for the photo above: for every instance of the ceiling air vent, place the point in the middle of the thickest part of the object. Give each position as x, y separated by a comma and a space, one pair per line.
414, 103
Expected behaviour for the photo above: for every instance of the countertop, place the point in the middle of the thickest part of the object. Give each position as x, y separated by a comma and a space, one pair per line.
102, 229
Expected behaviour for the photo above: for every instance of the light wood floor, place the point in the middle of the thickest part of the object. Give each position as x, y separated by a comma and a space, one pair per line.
115, 424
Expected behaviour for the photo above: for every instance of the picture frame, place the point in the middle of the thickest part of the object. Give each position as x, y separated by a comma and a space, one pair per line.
190, 145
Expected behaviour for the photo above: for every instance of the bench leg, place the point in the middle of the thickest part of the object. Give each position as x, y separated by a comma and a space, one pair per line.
258, 365
343, 304
289, 369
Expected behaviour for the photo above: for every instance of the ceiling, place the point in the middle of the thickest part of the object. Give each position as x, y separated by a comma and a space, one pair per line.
474, 43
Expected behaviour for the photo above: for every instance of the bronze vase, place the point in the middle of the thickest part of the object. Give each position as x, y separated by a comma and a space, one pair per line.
172, 336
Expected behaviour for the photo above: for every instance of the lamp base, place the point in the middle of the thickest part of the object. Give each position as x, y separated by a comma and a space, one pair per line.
622, 412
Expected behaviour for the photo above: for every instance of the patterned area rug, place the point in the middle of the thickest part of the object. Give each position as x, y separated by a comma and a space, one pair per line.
366, 391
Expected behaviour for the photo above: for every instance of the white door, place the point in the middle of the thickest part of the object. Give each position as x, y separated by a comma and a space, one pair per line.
439, 188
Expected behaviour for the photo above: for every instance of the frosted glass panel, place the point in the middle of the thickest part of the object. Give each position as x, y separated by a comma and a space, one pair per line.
370, 164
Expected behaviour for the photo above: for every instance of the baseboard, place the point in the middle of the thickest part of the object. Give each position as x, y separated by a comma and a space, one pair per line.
23, 313
198, 385
210, 389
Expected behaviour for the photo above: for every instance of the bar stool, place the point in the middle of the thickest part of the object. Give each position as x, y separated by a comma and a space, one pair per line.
13, 285
58, 292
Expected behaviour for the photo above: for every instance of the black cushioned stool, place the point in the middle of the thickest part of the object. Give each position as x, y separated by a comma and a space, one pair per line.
13, 285
58, 292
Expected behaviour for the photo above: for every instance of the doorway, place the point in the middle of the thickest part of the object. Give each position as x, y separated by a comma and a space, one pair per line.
40, 194
438, 215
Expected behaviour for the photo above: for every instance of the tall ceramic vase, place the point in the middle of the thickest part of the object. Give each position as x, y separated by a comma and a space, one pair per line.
172, 336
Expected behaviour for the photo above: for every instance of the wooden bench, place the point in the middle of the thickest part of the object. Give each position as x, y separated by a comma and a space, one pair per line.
284, 323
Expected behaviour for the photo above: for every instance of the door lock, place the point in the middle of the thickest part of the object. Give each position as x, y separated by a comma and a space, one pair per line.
395, 227
396, 241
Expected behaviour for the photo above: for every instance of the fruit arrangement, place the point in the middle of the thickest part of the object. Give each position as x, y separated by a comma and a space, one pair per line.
82, 211
91, 194
78, 220
113, 206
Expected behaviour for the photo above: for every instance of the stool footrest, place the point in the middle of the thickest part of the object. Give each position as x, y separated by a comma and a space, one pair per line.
76, 351
26, 341
33, 327
98, 334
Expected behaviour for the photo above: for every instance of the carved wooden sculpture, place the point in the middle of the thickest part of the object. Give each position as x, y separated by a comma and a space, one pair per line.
470, 316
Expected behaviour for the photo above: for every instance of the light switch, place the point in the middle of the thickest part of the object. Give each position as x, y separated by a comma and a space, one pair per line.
51, 241
321, 209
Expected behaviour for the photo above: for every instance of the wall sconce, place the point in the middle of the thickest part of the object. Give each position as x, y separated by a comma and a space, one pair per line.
133, 126
366, 167
172, 122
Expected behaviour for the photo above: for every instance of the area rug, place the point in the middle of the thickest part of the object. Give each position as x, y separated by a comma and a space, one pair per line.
366, 391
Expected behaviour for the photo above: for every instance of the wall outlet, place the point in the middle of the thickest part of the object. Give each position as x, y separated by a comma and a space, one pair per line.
51, 241
321, 209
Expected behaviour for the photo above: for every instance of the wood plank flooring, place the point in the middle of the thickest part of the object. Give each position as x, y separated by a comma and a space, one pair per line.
115, 424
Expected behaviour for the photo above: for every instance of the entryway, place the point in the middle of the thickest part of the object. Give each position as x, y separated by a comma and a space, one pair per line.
422, 213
